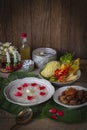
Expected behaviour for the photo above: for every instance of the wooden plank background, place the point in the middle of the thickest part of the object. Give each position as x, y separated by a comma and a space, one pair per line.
60, 24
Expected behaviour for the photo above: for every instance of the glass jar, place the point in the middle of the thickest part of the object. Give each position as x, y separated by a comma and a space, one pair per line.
25, 48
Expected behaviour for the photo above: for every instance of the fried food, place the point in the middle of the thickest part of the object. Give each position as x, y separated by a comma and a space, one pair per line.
73, 96
70, 91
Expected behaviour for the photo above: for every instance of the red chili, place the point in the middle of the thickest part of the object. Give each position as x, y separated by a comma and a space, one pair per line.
57, 73
62, 78
61, 72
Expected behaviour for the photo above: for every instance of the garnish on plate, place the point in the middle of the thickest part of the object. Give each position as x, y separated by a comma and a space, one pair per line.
19, 94
42, 87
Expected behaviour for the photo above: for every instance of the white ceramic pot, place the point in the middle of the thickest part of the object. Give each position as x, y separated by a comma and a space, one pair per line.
41, 56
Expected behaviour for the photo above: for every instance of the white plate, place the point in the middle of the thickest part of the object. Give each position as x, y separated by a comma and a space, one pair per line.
66, 83
9, 90
59, 91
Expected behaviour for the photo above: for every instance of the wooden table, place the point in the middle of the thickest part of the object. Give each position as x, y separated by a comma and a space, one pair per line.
7, 119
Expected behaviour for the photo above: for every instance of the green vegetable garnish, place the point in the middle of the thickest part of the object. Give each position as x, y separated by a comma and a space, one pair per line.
67, 58
52, 79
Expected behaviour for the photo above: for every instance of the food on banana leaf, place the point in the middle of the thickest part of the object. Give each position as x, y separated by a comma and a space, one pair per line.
49, 69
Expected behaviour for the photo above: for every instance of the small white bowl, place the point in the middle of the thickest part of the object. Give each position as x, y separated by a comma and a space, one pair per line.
59, 91
41, 56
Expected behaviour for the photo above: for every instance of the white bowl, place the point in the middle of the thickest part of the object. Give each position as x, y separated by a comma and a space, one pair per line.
11, 88
41, 56
59, 91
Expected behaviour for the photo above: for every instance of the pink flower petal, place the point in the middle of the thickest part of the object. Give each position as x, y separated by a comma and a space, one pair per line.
25, 85
18, 94
42, 93
54, 117
42, 87
53, 110
60, 113
19, 65
29, 97
19, 88
34, 84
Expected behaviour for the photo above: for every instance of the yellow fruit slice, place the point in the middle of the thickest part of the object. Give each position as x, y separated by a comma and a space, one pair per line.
75, 66
71, 77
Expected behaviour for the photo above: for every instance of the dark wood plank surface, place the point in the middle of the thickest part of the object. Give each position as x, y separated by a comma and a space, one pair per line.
60, 24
